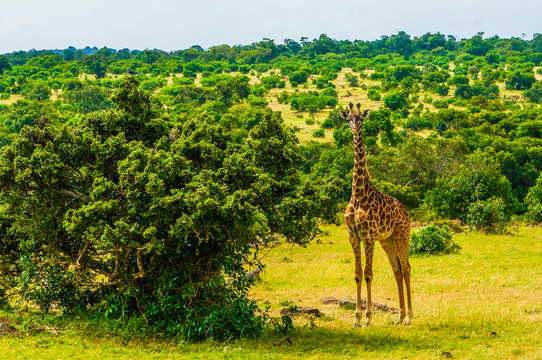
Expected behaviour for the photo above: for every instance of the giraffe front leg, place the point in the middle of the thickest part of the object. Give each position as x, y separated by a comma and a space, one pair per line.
358, 276
359, 309
369, 247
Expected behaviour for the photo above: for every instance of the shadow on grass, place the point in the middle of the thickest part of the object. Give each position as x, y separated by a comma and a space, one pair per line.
374, 340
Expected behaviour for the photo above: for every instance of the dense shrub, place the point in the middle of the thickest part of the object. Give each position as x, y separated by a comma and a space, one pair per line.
273, 81
373, 94
313, 101
131, 215
488, 215
479, 179
319, 133
299, 77
395, 101
433, 240
533, 202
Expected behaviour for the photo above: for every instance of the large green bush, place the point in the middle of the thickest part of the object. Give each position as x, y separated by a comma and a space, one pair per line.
130, 214
488, 215
477, 180
432, 240
533, 202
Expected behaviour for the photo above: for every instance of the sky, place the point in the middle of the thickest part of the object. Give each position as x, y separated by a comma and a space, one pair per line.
177, 25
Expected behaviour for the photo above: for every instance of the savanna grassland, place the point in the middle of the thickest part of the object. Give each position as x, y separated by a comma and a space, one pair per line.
483, 303
133, 206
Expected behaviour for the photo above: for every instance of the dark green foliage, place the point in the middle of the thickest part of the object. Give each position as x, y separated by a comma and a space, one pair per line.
534, 94
87, 98
405, 194
465, 91
533, 202
342, 136
299, 77
373, 94
432, 79
478, 180
96, 65
4, 64
402, 72
460, 80
274, 81
417, 123
442, 89
477, 47
38, 90
378, 121
395, 101
319, 133
27, 112
490, 216
520, 80
432, 240
168, 215
313, 101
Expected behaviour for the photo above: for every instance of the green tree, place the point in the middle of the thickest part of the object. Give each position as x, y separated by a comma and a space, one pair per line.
520, 80
478, 179
373, 94
488, 215
168, 216
534, 94
533, 202
442, 90
4, 64
400, 43
96, 64
88, 98
465, 92
395, 101
477, 46
299, 77
37, 90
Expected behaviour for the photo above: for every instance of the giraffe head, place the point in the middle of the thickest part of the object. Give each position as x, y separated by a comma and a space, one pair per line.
355, 118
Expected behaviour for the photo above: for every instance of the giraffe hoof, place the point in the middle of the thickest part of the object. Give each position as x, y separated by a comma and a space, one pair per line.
407, 322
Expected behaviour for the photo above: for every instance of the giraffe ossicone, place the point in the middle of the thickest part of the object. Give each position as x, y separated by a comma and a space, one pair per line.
373, 216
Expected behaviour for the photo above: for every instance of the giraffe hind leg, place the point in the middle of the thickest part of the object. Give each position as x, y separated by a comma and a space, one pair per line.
389, 247
402, 243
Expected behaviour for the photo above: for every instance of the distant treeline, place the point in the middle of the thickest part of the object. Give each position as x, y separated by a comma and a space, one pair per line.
436, 44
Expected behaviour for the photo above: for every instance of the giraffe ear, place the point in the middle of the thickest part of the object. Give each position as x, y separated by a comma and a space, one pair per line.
343, 114
366, 113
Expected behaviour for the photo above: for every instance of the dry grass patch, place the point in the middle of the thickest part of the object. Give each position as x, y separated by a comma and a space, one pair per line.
12, 99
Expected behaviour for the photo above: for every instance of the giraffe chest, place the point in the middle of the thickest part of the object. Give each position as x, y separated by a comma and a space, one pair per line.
371, 224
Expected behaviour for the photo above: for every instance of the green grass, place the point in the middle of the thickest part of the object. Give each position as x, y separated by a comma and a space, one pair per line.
483, 303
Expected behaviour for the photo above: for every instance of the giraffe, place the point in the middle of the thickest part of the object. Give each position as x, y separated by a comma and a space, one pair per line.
374, 216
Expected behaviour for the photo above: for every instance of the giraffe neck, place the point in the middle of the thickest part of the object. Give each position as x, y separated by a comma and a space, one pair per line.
361, 180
